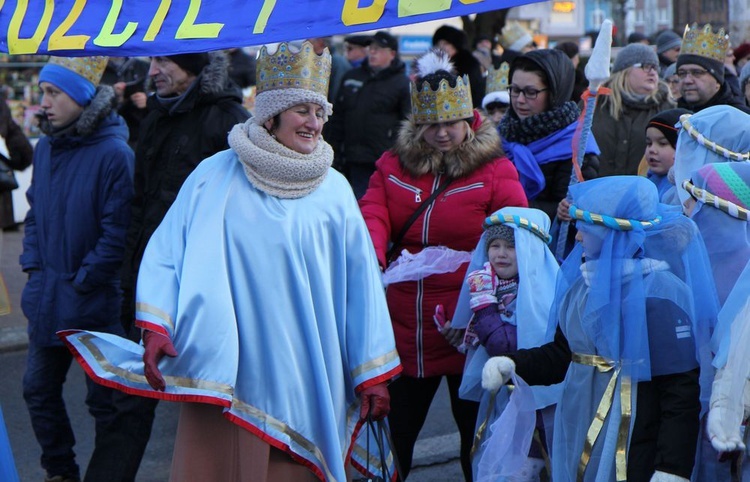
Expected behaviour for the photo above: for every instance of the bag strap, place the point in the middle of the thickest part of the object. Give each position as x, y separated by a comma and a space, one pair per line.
414, 216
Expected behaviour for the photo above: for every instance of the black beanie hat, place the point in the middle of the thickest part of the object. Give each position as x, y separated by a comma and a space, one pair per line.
713, 66
452, 35
665, 121
192, 63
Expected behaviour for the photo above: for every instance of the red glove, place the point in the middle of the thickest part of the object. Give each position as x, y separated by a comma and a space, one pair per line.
157, 346
376, 401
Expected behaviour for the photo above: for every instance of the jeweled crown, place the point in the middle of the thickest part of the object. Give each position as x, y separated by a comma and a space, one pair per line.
444, 104
704, 42
290, 69
90, 68
497, 79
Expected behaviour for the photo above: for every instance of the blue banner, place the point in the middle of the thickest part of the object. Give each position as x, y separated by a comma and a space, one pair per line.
165, 27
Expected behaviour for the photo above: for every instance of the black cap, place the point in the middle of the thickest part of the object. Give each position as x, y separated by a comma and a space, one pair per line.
361, 40
192, 63
384, 39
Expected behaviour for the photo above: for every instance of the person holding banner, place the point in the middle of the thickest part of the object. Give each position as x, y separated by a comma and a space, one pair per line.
630, 325
276, 338
430, 193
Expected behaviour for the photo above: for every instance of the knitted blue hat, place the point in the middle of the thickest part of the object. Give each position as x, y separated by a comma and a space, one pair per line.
77, 77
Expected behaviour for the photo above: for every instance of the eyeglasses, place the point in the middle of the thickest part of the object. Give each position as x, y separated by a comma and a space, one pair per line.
694, 73
529, 92
648, 68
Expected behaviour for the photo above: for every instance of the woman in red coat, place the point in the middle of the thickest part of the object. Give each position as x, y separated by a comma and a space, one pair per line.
445, 146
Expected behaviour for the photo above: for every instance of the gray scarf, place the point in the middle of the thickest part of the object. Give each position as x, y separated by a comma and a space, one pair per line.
274, 168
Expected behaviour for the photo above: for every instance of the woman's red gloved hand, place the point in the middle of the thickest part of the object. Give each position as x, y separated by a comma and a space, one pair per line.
376, 401
157, 346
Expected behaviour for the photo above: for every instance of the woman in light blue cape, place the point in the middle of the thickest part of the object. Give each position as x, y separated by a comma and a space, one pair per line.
537, 270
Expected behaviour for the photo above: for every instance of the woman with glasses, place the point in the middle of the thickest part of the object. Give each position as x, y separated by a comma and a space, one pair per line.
621, 117
537, 131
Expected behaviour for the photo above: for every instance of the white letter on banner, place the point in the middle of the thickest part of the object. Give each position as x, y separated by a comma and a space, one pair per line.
59, 41
158, 21
107, 37
189, 29
407, 8
31, 45
353, 14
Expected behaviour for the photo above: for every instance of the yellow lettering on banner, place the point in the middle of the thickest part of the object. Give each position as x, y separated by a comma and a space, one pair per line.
59, 41
189, 29
265, 13
469, 2
353, 14
107, 37
17, 45
158, 21
407, 8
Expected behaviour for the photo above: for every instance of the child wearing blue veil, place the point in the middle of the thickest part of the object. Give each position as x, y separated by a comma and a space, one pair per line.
507, 295
629, 339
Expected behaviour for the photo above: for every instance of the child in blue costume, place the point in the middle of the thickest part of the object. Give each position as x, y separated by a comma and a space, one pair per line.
661, 139
627, 339
509, 290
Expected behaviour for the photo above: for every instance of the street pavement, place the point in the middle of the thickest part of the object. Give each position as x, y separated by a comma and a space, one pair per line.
435, 455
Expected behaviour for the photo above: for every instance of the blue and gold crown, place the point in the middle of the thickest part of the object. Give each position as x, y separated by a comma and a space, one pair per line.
444, 104
90, 68
497, 79
288, 69
704, 42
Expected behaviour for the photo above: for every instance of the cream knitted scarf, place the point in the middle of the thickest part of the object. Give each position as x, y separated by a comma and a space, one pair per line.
275, 169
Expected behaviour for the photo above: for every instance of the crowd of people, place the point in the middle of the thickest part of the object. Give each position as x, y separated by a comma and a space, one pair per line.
406, 220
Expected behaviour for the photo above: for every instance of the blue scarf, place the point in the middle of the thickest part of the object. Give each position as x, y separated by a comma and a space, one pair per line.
557, 146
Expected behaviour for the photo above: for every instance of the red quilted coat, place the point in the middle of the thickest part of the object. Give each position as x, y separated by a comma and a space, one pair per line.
483, 182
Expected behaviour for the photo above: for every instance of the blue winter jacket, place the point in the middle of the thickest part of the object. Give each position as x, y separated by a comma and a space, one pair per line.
74, 238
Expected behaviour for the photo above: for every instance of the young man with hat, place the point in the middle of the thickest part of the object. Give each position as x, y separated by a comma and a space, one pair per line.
668, 46
700, 67
373, 100
74, 238
355, 49
194, 107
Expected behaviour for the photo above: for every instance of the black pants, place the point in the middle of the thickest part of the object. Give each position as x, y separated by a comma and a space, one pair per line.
410, 402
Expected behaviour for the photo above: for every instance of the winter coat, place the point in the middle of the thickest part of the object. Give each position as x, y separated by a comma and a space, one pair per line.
74, 234
724, 96
623, 142
174, 140
20, 152
368, 112
483, 182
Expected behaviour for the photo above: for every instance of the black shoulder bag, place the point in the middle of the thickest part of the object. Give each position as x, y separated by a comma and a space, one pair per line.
414, 216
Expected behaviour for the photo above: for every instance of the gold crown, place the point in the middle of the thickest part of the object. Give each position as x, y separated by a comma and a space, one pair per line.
90, 68
497, 79
287, 69
445, 104
705, 43
514, 36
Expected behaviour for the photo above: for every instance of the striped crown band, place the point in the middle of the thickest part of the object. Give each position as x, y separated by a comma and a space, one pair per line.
618, 224
709, 144
734, 210
520, 222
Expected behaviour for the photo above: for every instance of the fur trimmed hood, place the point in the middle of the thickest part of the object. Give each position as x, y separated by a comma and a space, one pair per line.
419, 158
103, 103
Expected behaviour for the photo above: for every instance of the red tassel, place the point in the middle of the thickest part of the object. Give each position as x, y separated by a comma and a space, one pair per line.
477, 122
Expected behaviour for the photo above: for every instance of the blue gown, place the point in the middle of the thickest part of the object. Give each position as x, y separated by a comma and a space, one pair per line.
275, 307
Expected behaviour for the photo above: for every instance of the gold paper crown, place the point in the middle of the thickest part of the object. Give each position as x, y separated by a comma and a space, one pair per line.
90, 68
445, 104
514, 36
705, 43
286, 69
497, 79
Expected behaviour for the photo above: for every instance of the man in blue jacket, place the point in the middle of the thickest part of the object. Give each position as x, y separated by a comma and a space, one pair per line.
73, 245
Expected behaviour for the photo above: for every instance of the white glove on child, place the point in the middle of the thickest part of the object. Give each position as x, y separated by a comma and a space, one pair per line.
725, 416
660, 476
496, 372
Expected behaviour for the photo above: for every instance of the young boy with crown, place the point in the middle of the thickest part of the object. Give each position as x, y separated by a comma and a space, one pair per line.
277, 338
74, 237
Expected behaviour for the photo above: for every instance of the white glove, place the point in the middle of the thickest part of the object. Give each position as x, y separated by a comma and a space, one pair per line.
496, 372
660, 476
725, 416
